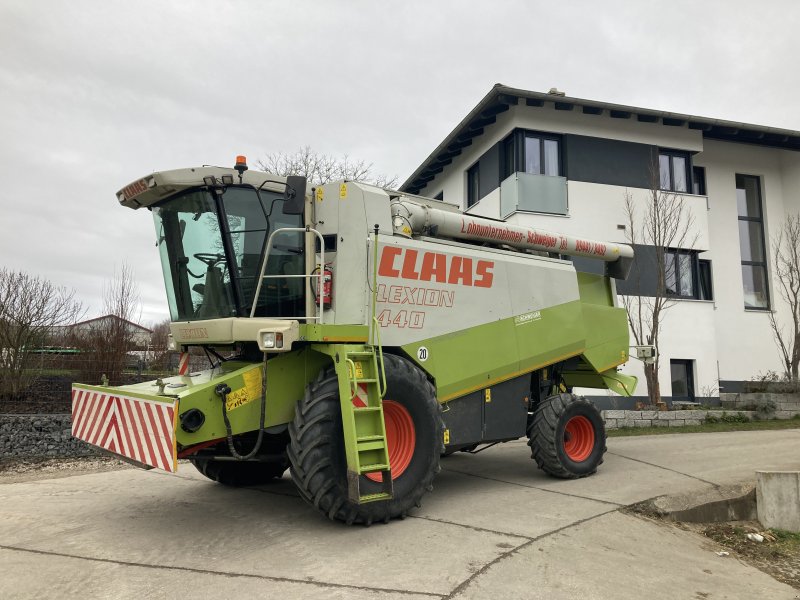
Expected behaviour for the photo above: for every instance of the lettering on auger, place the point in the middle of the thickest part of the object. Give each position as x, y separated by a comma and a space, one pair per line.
503, 234
590, 247
542, 239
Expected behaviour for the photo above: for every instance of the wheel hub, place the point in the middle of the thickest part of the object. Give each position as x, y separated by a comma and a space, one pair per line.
578, 438
401, 439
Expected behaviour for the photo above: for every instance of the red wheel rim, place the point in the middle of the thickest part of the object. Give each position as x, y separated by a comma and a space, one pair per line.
578, 438
400, 437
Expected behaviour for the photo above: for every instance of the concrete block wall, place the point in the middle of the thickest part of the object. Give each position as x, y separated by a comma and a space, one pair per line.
786, 405
664, 418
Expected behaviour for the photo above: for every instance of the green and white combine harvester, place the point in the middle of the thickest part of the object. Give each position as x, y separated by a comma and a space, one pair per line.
356, 335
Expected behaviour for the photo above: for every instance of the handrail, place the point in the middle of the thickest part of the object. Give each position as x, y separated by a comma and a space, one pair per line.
351, 370
320, 275
379, 360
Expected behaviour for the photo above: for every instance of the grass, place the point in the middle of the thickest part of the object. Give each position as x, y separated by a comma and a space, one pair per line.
787, 536
51, 372
793, 423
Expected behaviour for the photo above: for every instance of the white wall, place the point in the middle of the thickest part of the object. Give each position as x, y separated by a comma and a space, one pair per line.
597, 210
688, 327
724, 340
452, 180
745, 343
488, 206
687, 333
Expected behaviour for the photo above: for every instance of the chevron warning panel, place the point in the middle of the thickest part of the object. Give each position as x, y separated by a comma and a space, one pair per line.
142, 430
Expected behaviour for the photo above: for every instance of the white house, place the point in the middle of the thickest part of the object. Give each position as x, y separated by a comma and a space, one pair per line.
566, 164
140, 337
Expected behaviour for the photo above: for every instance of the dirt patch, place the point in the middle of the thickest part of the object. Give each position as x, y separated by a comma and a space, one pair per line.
34, 469
778, 554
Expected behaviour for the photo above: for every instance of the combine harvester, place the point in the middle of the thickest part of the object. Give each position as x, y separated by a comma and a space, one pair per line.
355, 335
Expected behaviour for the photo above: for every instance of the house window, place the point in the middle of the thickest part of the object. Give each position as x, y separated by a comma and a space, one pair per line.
704, 284
679, 273
751, 242
473, 185
509, 157
530, 152
682, 372
699, 181
686, 276
673, 169
542, 154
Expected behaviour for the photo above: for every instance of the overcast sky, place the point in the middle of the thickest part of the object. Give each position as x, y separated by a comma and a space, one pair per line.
95, 94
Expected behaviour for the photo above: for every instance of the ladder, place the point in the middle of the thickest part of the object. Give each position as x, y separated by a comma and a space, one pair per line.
361, 387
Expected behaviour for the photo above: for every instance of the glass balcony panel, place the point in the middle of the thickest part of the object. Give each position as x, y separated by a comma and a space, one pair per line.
533, 193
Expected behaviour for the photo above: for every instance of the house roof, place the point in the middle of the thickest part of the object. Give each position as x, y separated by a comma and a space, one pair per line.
500, 98
131, 323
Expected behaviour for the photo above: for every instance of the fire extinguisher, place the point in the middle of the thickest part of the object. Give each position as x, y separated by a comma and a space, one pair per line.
327, 286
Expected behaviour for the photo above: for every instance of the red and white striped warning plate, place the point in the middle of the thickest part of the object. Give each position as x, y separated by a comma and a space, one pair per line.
361, 397
142, 430
183, 363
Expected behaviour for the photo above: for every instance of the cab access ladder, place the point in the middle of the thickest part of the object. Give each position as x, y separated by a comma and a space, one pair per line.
362, 384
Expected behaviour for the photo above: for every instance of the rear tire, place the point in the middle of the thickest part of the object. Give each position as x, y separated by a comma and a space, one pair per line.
567, 437
317, 455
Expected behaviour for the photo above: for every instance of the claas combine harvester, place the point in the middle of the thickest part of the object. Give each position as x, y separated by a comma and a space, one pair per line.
356, 335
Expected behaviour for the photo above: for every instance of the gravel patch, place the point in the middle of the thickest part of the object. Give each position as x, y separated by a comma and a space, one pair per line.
16, 470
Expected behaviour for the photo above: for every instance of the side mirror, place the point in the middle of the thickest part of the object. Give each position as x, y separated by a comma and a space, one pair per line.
295, 195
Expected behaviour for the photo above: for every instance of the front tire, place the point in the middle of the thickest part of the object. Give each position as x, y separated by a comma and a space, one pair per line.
241, 474
414, 436
567, 437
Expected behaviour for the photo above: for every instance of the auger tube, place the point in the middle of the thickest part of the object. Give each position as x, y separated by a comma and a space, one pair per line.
411, 217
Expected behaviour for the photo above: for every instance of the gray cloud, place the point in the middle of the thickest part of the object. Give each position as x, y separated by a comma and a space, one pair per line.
96, 94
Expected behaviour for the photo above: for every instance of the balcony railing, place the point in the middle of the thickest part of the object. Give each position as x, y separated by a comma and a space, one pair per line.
533, 193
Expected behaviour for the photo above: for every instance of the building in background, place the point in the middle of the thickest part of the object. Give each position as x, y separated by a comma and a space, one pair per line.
136, 336
566, 164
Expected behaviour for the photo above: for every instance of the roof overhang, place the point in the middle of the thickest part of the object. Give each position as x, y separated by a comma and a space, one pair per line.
500, 98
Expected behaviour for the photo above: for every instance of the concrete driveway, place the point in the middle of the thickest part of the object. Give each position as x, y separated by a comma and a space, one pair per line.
495, 527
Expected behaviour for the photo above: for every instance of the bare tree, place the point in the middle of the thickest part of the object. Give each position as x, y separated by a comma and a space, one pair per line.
665, 223
109, 339
159, 343
786, 261
31, 311
323, 168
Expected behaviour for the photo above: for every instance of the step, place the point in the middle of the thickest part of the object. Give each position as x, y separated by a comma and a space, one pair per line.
372, 445
373, 497
357, 409
360, 353
369, 438
373, 468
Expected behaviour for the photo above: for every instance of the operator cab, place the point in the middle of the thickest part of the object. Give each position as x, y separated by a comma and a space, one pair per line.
212, 227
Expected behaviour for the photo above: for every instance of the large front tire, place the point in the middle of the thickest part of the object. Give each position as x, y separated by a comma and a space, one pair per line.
567, 436
317, 456
241, 474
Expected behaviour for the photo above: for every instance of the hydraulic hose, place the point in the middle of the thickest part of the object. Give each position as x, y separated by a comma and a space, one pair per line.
222, 390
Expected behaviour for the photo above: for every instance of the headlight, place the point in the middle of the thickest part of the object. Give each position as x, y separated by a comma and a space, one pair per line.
272, 339
277, 335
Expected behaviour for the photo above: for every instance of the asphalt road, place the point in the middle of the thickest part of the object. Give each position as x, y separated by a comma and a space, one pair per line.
494, 527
